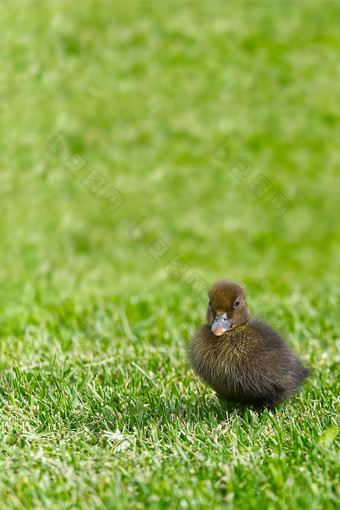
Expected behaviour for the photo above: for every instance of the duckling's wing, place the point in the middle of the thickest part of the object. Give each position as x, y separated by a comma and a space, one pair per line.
282, 372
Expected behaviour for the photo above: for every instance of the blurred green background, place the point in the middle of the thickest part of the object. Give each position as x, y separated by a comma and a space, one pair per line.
144, 92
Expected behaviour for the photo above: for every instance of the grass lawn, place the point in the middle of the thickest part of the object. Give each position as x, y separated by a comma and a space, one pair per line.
149, 148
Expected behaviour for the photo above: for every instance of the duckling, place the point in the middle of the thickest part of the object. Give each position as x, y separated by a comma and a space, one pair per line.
243, 359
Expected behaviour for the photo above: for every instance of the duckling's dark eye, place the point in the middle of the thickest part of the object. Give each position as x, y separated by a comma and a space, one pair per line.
209, 303
237, 303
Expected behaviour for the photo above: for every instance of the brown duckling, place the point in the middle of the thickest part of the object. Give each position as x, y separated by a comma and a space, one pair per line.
243, 359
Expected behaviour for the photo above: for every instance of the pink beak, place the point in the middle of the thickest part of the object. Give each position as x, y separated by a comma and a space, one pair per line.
221, 324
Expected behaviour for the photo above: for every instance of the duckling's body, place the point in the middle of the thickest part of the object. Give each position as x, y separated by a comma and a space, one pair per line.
244, 360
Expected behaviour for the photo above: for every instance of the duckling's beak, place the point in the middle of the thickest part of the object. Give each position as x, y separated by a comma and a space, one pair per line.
221, 324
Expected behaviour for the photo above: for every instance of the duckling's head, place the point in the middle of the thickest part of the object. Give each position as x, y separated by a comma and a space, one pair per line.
227, 307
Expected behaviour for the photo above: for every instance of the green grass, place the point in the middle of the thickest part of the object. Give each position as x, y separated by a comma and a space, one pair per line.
99, 408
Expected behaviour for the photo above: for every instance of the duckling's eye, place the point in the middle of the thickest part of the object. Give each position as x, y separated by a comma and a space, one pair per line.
209, 303
237, 303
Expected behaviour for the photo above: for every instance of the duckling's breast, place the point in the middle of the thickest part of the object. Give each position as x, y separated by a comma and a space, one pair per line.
224, 362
